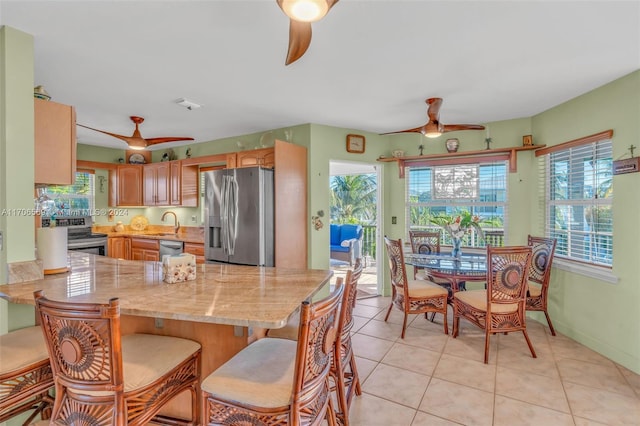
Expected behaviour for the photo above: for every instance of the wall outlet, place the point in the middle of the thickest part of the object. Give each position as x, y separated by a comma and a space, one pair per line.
159, 322
394, 220
194, 218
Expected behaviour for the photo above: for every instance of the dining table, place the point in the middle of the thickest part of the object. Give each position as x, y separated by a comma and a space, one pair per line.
457, 270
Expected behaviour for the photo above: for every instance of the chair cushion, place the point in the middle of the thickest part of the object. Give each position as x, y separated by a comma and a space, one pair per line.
478, 300
350, 232
147, 357
334, 235
422, 288
289, 331
260, 375
21, 348
535, 290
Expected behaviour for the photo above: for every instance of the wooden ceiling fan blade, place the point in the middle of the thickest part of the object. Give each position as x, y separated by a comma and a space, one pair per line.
115, 135
153, 141
299, 40
455, 127
415, 130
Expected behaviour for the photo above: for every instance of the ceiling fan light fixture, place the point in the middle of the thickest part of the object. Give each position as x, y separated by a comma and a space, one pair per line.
138, 146
305, 10
432, 130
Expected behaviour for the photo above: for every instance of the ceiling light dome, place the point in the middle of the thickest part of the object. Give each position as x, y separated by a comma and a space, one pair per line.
305, 10
432, 130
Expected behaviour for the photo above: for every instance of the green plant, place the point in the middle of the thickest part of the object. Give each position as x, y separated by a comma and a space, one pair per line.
458, 223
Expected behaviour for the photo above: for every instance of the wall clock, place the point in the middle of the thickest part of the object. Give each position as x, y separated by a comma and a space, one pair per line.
355, 143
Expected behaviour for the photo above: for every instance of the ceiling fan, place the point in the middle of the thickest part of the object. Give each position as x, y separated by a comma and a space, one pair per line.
434, 127
302, 13
136, 141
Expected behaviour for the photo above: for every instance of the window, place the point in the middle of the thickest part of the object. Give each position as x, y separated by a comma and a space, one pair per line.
479, 188
70, 200
577, 184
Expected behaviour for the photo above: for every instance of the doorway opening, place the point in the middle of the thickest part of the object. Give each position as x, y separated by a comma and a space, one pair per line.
356, 200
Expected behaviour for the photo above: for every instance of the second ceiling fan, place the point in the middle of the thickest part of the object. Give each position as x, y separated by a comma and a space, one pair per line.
434, 127
301, 14
136, 141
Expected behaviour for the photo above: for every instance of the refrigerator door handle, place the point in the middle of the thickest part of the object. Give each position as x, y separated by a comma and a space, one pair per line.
233, 214
224, 218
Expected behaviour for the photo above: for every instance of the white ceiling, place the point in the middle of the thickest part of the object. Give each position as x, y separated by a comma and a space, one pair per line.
370, 66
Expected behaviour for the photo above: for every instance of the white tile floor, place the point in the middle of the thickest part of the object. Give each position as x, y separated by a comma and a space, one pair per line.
429, 378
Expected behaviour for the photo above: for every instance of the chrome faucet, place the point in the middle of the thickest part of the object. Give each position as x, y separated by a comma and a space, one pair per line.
176, 224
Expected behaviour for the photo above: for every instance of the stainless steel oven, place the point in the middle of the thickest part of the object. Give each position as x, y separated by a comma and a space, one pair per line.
79, 235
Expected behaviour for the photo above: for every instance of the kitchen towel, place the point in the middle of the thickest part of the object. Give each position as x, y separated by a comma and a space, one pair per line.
178, 268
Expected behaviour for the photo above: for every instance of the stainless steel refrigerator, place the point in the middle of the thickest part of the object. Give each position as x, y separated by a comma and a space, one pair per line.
239, 216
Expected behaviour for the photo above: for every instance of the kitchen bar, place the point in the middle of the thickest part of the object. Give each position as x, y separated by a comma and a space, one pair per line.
216, 309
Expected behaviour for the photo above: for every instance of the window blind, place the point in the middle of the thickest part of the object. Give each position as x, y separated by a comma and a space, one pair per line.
578, 192
479, 188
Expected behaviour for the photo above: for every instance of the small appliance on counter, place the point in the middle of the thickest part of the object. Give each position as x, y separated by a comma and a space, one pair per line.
52, 249
79, 234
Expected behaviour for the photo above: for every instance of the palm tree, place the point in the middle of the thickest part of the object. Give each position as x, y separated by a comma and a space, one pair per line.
353, 198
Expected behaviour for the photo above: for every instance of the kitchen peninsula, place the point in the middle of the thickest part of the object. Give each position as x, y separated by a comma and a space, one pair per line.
215, 309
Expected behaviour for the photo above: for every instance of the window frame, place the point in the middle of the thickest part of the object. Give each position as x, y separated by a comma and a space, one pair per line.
571, 257
457, 203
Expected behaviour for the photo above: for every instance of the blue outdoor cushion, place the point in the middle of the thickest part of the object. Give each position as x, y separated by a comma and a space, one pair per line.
349, 232
335, 235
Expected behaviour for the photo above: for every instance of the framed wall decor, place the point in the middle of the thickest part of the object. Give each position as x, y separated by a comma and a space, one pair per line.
527, 140
355, 143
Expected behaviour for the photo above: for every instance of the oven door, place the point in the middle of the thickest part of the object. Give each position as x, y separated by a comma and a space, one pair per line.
94, 246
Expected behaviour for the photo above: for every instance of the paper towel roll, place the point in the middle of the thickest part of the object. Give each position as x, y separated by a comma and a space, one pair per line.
52, 249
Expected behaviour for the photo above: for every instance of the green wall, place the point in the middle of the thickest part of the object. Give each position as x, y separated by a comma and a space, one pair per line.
16, 163
598, 314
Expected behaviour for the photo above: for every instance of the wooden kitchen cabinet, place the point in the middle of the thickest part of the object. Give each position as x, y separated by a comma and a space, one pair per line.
195, 249
258, 157
145, 249
129, 185
157, 181
55, 143
119, 247
184, 184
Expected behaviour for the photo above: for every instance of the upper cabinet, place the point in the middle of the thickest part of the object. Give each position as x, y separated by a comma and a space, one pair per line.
156, 184
264, 157
128, 185
55, 143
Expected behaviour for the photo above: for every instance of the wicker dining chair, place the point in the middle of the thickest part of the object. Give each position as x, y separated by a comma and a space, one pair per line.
500, 308
25, 374
424, 242
540, 274
412, 296
276, 381
105, 379
344, 372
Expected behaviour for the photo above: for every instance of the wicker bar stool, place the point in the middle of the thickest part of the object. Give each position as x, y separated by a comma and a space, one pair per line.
25, 374
105, 379
344, 371
279, 381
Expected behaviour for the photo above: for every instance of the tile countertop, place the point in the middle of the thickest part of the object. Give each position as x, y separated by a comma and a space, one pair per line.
188, 234
247, 296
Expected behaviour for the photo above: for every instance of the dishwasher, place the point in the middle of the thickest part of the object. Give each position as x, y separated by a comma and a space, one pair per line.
170, 247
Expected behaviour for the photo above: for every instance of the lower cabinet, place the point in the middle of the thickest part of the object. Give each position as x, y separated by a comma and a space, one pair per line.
119, 247
195, 249
145, 249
